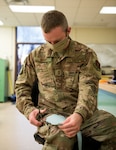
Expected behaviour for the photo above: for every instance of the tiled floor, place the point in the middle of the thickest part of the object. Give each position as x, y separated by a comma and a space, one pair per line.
16, 133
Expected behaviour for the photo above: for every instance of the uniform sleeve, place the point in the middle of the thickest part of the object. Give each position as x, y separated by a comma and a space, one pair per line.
23, 86
89, 76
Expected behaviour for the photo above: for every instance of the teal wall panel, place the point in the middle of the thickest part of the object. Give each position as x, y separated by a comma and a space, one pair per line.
3, 80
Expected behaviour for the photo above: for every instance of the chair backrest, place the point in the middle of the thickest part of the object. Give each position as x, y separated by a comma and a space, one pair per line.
35, 93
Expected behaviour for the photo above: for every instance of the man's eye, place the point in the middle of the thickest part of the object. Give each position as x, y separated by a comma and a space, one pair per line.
54, 42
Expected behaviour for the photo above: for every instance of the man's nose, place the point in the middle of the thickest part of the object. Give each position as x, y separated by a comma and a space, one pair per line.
52, 43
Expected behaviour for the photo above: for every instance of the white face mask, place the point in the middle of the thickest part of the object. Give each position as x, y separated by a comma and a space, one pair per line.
59, 46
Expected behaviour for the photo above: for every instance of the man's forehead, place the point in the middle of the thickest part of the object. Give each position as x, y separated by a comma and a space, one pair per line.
54, 34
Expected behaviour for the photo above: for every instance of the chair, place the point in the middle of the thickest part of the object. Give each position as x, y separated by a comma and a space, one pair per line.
88, 144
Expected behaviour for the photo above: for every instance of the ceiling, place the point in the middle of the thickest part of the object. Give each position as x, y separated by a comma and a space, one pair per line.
80, 13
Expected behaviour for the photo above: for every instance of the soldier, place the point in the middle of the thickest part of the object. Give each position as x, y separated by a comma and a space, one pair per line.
67, 73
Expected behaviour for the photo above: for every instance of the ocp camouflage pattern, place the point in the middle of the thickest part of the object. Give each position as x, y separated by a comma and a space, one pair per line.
67, 82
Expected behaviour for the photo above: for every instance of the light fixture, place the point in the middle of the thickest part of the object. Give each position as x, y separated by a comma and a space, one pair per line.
17, 2
30, 9
108, 10
1, 23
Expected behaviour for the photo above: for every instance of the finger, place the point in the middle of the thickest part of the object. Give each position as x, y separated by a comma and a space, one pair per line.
70, 130
67, 130
38, 123
43, 110
70, 134
65, 126
35, 112
35, 122
66, 120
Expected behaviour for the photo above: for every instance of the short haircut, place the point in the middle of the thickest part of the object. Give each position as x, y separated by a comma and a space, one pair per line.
53, 19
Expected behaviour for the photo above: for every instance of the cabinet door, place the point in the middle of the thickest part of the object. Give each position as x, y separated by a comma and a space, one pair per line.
3, 80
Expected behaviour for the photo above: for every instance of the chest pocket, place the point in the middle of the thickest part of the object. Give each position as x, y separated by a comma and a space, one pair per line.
71, 74
45, 74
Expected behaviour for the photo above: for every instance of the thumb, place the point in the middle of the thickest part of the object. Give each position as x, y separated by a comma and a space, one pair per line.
66, 120
42, 111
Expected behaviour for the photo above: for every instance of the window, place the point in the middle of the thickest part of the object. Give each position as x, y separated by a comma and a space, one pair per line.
27, 39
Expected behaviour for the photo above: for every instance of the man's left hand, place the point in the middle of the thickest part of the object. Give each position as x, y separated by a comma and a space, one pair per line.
71, 125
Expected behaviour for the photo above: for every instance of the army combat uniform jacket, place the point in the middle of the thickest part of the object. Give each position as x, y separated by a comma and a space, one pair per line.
67, 80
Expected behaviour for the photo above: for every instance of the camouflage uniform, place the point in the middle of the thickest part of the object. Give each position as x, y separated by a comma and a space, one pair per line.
68, 82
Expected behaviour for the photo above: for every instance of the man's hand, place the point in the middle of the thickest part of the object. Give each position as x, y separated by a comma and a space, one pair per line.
33, 115
71, 125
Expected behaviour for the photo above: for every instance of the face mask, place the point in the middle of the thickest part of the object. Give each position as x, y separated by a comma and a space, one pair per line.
60, 46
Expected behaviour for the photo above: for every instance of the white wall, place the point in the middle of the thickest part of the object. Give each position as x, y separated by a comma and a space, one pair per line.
7, 48
94, 35
83, 35
102, 40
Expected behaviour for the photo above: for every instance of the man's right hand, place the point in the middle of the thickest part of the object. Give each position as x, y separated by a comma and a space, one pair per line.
33, 117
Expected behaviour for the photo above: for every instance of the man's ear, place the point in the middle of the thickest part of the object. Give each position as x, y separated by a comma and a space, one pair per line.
69, 29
